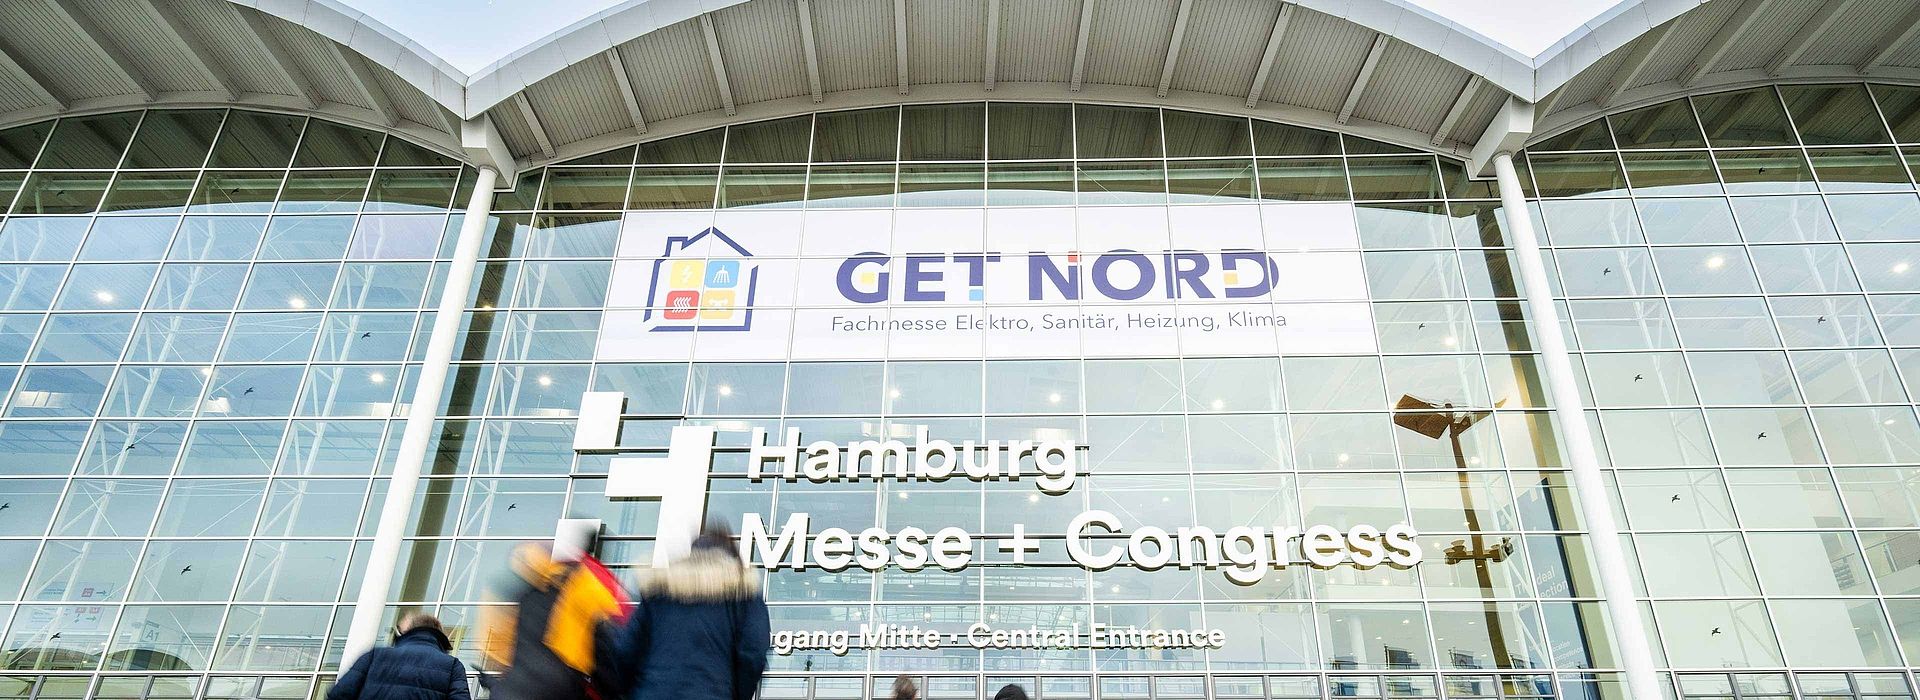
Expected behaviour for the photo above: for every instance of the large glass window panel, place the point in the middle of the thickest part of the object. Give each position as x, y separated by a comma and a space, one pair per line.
309, 191
177, 338
942, 185
1724, 322
1394, 178
1651, 438
1378, 636
1117, 132
572, 189
17, 333
19, 146
83, 571
236, 191
1717, 633
182, 571
1859, 169
1671, 173
97, 141
149, 192
1809, 563
295, 634
247, 391
133, 449
943, 132
1578, 175
1639, 379
218, 238
273, 337
1020, 184
1705, 270
673, 188
1414, 275
762, 186
289, 285
51, 392
1867, 217
1122, 182
1786, 498
1868, 434
1821, 269
1606, 272
775, 141
412, 190
129, 238
61, 193
165, 637
1210, 180
1133, 385
381, 285
1017, 131
1784, 219
1833, 321
1765, 171
36, 239
330, 145
106, 287
1848, 376
868, 186
109, 508
210, 508
1343, 441
1666, 125
1649, 496
931, 387
1137, 443
855, 135
1303, 179
1696, 565
1034, 386
563, 284
1886, 556
396, 237
1403, 226
256, 140
195, 286
1881, 496
1591, 222
1688, 221
1763, 436
326, 448
351, 391
1834, 114
1834, 633
35, 498
174, 138
159, 392
1745, 118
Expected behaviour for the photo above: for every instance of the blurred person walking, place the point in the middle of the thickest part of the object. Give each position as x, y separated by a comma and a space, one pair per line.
552, 642
701, 630
417, 667
904, 689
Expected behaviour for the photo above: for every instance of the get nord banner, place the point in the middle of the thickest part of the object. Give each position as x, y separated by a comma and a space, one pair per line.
1229, 280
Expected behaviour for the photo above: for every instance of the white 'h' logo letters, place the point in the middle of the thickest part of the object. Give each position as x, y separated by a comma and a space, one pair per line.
678, 480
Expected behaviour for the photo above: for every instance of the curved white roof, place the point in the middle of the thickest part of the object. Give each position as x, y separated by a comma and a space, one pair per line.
1391, 69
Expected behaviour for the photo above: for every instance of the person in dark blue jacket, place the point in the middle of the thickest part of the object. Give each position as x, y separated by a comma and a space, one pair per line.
701, 630
416, 667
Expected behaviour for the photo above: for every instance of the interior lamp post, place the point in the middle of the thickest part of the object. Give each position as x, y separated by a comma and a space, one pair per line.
1437, 420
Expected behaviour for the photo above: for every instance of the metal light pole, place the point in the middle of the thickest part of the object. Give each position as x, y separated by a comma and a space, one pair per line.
1436, 420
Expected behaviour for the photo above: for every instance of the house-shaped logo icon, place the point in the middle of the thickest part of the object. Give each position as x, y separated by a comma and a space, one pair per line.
710, 292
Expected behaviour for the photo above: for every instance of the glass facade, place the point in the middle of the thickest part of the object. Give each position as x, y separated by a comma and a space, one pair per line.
211, 320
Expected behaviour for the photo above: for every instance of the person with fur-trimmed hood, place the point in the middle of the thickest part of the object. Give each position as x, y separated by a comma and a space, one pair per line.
701, 630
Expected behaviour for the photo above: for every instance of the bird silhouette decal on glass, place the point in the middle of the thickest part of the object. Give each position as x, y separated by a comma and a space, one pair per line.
186, 569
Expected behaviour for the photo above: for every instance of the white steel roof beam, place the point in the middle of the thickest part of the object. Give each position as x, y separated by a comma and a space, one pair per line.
533, 123
1360, 81
993, 42
10, 65
363, 82
812, 50
1173, 47
1896, 38
1634, 67
1813, 29
1080, 46
719, 67
1273, 51
282, 62
1467, 93
108, 49
1723, 41
196, 51
900, 43
627, 94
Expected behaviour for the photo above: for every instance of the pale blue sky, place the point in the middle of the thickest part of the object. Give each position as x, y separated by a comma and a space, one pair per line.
471, 34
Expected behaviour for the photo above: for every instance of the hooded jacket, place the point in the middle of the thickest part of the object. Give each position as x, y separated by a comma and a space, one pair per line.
549, 640
416, 667
701, 631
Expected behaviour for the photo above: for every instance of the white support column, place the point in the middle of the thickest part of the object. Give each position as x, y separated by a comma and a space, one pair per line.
367, 609
1590, 490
